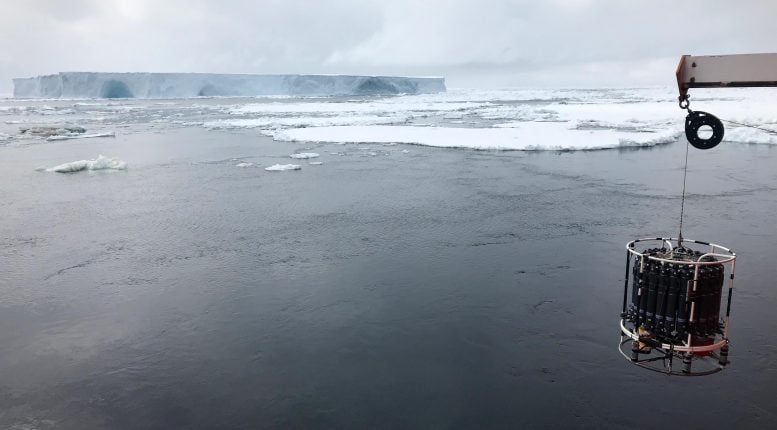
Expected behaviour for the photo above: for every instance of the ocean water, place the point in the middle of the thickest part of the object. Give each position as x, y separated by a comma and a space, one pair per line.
394, 285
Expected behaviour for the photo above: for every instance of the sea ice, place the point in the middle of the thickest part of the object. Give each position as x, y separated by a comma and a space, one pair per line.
315, 163
530, 136
48, 131
375, 107
749, 135
244, 164
304, 121
100, 163
283, 167
80, 136
304, 155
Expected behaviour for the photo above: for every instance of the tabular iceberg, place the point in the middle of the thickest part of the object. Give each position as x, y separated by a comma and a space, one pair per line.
179, 85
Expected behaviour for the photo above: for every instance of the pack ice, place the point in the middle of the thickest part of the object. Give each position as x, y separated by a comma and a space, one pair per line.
180, 85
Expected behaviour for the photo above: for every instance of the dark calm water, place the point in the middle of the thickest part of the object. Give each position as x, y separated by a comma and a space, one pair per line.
430, 289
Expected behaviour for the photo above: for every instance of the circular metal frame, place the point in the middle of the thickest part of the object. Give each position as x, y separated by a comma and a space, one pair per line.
660, 356
664, 362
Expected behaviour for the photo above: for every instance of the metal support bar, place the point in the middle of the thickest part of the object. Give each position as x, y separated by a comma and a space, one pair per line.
715, 71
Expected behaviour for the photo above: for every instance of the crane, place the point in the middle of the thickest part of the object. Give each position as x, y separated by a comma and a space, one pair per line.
718, 71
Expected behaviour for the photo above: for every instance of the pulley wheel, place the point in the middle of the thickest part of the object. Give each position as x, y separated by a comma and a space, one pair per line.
696, 120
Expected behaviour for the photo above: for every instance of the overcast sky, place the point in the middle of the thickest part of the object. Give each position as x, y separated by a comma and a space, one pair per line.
474, 43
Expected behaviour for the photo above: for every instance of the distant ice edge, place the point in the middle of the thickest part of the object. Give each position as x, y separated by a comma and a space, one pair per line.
531, 136
181, 85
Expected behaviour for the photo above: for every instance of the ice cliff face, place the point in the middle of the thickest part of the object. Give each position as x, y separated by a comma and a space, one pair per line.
178, 85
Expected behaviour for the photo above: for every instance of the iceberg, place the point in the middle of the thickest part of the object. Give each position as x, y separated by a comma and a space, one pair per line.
182, 85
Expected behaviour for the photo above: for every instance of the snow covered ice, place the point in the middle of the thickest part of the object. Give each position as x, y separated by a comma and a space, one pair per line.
80, 136
283, 167
513, 119
304, 155
529, 136
99, 163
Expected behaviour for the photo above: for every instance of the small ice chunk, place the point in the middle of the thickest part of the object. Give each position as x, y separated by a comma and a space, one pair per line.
304, 155
282, 167
244, 164
405, 151
48, 131
315, 163
80, 136
99, 163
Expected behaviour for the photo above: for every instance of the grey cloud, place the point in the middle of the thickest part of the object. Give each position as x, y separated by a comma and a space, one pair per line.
485, 42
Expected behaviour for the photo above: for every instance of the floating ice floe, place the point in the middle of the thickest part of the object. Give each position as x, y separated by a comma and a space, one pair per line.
244, 164
80, 136
530, 136
99, 163
304, 155
48, 131
283, 167
315, 163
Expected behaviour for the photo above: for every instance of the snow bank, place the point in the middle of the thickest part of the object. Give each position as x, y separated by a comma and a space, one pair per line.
530, 136
100, 163
176, 85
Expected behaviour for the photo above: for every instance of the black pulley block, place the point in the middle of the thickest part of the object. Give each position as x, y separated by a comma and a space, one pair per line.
697, 119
